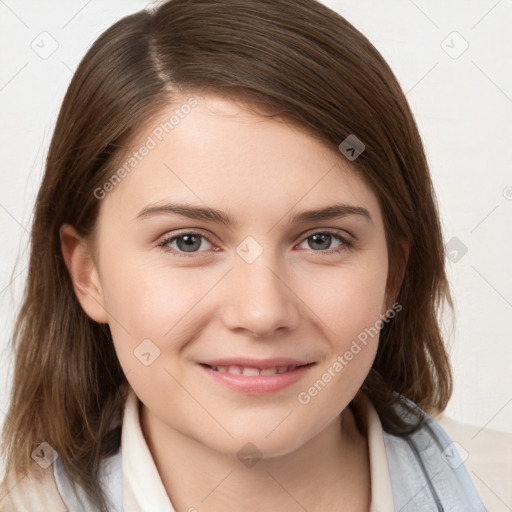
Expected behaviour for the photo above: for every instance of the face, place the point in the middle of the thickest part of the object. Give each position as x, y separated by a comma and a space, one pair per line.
223, 328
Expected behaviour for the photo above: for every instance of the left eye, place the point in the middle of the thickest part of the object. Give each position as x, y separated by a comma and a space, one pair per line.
322, 240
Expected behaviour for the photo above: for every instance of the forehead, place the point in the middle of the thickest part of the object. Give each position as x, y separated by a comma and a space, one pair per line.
221, 153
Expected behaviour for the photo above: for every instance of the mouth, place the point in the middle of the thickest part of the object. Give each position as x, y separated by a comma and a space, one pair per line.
253, 371
256, 377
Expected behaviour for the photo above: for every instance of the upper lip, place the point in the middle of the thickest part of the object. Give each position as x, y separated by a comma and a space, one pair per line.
257, 363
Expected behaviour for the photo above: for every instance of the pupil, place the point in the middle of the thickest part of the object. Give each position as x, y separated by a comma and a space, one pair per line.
325, 244
190, 243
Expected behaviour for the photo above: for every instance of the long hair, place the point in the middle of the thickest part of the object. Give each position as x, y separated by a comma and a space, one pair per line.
297, 59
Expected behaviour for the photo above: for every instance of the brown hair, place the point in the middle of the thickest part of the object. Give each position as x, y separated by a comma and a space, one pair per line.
298, 59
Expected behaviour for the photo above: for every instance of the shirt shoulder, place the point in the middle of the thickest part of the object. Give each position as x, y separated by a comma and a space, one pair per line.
26, 492
487, 455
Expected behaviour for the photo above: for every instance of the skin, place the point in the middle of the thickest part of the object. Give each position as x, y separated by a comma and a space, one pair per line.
294, 300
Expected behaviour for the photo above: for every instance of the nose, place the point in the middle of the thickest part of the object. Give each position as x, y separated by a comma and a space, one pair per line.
259, 301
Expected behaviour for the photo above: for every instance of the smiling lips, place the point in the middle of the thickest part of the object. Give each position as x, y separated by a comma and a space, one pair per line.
251, 371
257, 376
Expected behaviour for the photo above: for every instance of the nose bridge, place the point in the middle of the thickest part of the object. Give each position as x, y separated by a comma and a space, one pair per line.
261, 302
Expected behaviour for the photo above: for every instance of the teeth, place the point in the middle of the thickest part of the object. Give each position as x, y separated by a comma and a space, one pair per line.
250, 371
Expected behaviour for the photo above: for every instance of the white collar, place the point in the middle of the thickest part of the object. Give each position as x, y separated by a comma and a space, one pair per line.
144, 491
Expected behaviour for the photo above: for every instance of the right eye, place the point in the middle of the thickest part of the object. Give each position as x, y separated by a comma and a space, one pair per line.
185, 243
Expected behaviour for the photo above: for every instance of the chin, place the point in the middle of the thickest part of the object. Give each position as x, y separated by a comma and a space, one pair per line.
257, 443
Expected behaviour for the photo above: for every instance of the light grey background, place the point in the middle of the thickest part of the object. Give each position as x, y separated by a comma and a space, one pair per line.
462, 100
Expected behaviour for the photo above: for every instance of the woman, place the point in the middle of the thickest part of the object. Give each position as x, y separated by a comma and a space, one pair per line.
236, 269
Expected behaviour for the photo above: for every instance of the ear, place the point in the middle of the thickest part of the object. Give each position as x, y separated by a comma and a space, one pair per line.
83, 273
403, 262
395, 284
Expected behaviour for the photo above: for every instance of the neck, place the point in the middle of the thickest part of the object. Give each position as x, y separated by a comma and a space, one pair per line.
332, 467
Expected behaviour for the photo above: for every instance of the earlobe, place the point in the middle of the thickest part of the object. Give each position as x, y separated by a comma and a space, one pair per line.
83, 273
405, 251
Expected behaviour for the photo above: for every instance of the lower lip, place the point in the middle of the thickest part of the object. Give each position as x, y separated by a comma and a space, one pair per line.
258, 384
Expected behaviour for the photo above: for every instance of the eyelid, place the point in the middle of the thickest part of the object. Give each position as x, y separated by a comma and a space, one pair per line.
336, 231
188, 231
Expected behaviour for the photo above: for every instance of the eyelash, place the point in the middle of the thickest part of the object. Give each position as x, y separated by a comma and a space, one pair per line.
345, 245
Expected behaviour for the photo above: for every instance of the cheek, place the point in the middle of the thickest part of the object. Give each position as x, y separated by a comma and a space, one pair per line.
152, 302
351, 312
349, 300
359, 308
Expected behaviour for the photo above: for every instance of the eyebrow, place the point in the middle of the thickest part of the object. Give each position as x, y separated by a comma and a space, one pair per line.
204, 213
